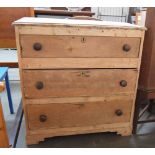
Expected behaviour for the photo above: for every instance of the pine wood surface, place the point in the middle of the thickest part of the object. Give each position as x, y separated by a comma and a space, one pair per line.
4, 142
60, 79
60, 63
72, 83
75, 22
79, 46
79, 114
7, 16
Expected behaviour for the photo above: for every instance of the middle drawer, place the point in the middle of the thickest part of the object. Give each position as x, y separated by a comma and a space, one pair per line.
78, 82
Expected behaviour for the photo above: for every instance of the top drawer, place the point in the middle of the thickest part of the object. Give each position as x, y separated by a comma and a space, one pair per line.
40, 46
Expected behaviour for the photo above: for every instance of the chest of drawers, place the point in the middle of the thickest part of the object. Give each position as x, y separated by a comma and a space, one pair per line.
77, 76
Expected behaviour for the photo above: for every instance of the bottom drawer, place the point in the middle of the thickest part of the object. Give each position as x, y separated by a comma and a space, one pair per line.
79, 112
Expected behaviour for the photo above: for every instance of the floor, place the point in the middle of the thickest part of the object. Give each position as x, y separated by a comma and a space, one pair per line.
145, 137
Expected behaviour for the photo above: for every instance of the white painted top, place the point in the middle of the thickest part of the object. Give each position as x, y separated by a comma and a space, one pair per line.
74, 22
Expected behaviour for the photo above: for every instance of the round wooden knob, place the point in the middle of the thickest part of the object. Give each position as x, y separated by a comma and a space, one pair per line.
43, 118
126, 47
123, 83
37, 46
119, 112
39, 85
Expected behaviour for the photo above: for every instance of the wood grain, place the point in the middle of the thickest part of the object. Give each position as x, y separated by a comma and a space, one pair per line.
76, 22
59, 63
4, 142
7, 16
81, 80
71, 83
9, 64
35, 136
2, 86
79, 46
147, 72
75, 30
59, 12
80, 113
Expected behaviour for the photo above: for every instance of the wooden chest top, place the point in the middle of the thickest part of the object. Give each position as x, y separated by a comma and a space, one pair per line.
48, 26
75, 22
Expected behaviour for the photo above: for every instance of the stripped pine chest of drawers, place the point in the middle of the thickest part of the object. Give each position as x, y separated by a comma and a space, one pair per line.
77, 76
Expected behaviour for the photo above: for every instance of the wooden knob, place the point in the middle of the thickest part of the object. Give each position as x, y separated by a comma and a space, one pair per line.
119, 112
39, 85
126, 47
2, 86
123, 83
43, 118
37, 46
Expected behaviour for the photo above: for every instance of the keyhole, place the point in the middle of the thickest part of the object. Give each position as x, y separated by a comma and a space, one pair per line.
82, 73
83, 40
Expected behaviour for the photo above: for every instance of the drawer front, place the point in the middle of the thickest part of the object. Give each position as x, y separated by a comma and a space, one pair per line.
78, 114
78, 82
78, 46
